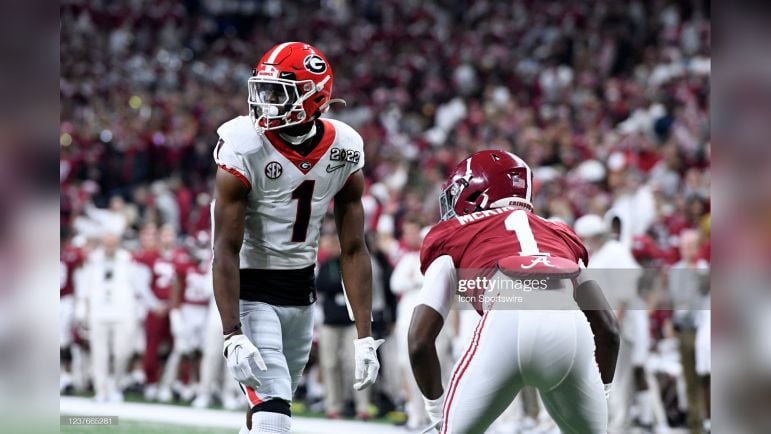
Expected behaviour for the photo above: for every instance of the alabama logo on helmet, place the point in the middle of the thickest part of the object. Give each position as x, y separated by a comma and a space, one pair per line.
315, 64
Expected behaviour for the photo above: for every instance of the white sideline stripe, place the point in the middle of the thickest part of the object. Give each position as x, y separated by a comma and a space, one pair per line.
172, 414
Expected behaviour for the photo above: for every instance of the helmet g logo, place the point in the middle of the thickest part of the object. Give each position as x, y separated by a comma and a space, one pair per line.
315, 64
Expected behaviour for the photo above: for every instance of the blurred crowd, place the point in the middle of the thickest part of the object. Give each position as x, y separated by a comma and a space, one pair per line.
607, 101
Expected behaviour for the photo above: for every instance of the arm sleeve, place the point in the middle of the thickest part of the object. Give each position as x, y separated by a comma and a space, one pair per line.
439, 285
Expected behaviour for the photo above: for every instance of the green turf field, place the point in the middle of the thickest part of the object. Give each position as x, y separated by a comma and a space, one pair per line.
136, 416
135, 427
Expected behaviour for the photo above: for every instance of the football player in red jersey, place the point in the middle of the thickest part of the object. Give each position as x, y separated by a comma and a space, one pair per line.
180, 260
489, 233
176, 261
163, 261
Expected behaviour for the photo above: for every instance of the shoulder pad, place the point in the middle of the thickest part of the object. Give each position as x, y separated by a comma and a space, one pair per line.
346, 135
240, 134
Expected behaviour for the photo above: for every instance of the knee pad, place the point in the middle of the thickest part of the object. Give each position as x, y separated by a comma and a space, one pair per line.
273, 406
278, 406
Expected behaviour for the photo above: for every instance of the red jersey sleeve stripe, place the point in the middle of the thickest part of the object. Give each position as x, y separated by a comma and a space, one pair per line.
237, 174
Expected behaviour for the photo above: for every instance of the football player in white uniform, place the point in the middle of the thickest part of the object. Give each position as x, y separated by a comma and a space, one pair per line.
279, 170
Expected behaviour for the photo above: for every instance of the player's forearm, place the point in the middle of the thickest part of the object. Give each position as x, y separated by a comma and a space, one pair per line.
604, 326
227, 289
606, 342
425, 367
229, 211
425, 325
357, 276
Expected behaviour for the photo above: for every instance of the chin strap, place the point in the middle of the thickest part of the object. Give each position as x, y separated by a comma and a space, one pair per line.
296, 140
326, 105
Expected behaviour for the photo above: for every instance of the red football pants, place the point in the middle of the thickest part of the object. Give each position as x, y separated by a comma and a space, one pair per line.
157, 331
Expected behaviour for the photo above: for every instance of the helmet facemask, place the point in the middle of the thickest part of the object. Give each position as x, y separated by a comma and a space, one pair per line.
448, 198
276, 103
483, 197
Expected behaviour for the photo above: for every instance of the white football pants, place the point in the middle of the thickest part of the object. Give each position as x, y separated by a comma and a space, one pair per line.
551, 350
283, 335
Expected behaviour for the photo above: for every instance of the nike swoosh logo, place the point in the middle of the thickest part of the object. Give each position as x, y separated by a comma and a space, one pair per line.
331, 168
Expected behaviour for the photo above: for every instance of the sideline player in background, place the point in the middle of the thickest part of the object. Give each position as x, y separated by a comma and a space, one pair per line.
279, 170
107, 303
612, 265
161, 277
488, 225
188, 321
71, 259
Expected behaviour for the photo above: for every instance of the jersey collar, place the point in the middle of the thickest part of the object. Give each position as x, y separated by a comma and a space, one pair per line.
304, 163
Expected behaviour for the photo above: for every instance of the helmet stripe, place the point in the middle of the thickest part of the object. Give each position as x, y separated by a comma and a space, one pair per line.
275, 52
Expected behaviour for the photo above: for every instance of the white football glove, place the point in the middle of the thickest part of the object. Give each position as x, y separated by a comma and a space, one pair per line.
367, 365
177, 324
243, 360
434, 409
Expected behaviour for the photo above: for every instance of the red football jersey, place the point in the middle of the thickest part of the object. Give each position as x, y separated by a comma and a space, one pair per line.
166, 269
477, 241
70, 259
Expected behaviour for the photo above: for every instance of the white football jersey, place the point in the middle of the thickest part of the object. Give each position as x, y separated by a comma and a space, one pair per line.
289, 193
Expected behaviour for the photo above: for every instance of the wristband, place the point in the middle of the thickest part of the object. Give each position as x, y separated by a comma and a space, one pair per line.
235, 329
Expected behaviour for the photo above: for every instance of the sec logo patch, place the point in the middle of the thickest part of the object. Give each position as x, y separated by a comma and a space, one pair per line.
273, 170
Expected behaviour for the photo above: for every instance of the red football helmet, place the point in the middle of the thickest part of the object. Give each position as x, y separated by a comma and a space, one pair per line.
290, 85
487, 179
